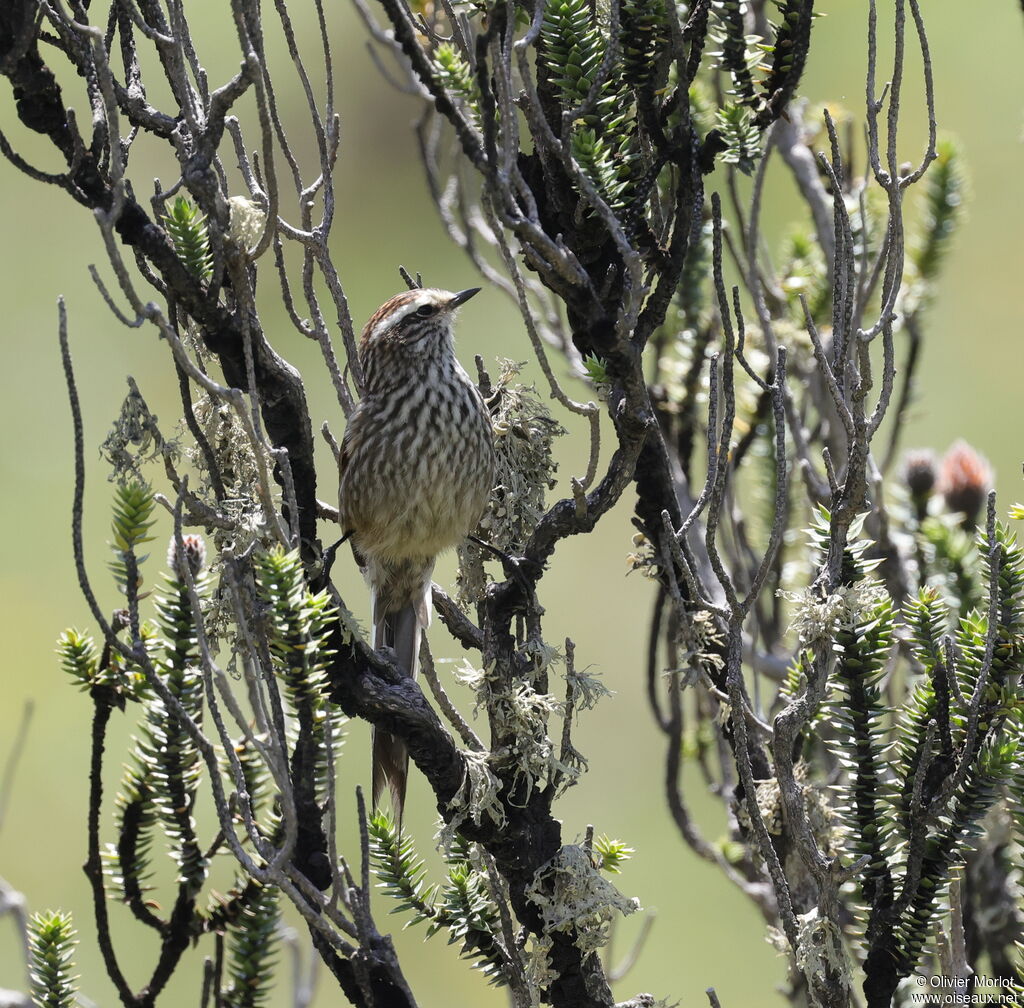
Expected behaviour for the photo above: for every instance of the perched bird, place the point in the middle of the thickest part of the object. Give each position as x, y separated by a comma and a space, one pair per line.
417, 467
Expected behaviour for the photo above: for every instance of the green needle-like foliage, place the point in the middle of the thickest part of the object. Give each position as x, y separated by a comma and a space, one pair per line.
935, 737
644, 34
166, 749
951, 563
606, 136
1010, 589
788, 53
133, 510
596, 369
741, 136
462, 906
855, 566
400, 871
596, 159
804, 274
298, 626
736, 56
926, 618
298, 623
917, 785
162, 784
191, 237
612, 853
129, 862
996, 763
863, 652
572, 48
466, 910
78, 658
456, 76
252, 945
52, 943
945, 184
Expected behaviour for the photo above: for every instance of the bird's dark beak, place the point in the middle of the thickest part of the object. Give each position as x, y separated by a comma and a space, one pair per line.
462, 297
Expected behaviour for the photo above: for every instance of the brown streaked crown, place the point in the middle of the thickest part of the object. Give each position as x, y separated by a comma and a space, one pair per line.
392, 308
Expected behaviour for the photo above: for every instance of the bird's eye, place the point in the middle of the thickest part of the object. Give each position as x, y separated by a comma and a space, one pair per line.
425, 311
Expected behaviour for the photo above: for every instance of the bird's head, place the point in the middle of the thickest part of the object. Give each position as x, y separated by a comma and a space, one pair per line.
418, 322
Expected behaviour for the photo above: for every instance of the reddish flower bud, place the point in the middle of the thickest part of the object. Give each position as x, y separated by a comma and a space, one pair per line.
965, 481
192, 551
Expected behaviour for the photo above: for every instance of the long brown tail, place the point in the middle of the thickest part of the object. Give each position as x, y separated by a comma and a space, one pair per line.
399, 630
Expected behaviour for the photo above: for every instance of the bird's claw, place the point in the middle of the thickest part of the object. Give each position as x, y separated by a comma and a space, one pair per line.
329, 555
519, 569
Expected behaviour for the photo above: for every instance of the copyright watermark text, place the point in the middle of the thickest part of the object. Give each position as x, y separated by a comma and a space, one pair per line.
976, 990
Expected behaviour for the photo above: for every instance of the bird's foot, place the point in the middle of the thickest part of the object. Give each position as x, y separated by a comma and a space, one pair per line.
329, 555
521, 570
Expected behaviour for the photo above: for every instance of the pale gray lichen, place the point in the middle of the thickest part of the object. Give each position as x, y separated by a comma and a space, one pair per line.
239, 471
249, 528
643, 558
817, 619
821, 816
246, 222
537, 961
769, 804
820, 949
699, 640
542, 654
572, 896
524, 432
586, 688
477, 796
134, 438
477, 680
520, 718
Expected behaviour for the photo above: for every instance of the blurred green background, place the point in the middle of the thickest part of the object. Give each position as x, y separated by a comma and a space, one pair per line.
705, 933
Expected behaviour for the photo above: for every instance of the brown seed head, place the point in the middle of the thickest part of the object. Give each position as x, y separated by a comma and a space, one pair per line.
920, 471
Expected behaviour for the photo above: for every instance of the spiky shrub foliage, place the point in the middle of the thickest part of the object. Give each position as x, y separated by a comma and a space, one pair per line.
862, 654
155, 805
803, 267
575, 55
597, 160
644, 26
788, 51
610, 854
462, 905
189, 232
456, 76
52, 943
298, 624
573, 49
741, 136
133, 518
945, 186
736, 55
918, 784
79, 658
950, 562
252, 940
161, 786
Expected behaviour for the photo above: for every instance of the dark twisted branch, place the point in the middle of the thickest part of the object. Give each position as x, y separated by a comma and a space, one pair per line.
282, 396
